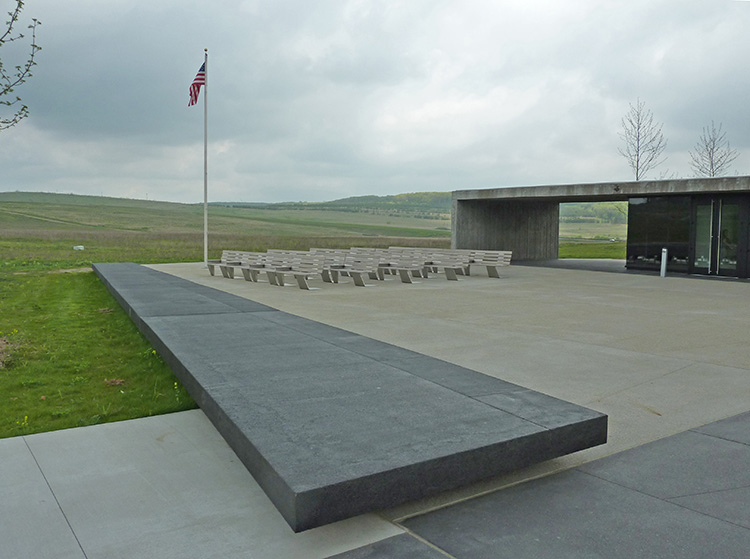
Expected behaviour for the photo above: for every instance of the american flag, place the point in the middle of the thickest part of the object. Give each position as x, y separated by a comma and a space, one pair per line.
195, 87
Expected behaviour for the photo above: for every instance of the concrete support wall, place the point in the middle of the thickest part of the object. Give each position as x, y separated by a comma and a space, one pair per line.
530, 228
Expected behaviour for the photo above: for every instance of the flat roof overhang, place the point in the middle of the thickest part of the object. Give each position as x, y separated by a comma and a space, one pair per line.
609, 191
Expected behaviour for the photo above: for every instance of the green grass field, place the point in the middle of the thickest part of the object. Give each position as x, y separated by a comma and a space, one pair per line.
571, 232
606, 250
70, 356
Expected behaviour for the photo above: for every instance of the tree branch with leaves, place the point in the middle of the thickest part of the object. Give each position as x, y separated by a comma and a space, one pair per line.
11, 79
712, 154
643, 138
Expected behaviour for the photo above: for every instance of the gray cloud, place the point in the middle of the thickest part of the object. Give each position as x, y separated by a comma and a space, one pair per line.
314, 101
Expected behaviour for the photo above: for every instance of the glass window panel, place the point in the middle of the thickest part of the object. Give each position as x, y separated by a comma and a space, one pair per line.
655, 223
703, 217
728, 237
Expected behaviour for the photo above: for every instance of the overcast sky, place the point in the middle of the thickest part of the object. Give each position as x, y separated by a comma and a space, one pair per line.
320, 100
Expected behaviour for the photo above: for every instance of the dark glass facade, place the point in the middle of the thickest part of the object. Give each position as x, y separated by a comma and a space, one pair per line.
703, 234
655, 223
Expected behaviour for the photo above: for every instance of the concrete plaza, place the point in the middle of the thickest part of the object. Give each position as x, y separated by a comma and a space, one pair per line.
660, 356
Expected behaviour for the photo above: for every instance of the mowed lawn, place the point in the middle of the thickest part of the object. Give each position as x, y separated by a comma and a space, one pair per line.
70, 356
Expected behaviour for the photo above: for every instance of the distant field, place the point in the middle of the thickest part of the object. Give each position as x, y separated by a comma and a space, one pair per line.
593, 240
40, 231
593, 231
178, 218
585, 249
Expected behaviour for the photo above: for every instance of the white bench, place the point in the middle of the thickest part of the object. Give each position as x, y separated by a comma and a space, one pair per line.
453, 262
279, 261
490, 259
407, 266
242, 259
357, 268
233, 257
303, 268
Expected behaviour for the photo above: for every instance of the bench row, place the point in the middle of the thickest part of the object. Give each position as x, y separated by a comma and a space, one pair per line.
357, 263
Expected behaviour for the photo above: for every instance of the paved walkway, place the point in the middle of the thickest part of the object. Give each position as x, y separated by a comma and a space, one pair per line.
663, 357
686, 496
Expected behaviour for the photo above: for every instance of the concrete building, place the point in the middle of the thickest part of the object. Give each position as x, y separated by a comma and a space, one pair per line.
703, 223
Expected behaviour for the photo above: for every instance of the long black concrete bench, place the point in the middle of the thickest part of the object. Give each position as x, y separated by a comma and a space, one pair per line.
332, 424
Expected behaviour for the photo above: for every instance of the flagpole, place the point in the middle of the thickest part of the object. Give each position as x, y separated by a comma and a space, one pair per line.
205, 161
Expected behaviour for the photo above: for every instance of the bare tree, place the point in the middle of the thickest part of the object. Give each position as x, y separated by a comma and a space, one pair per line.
643, 138
712, 154
10, 79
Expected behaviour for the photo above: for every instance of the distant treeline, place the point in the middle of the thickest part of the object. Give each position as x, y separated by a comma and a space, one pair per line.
594, 212
432, 205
